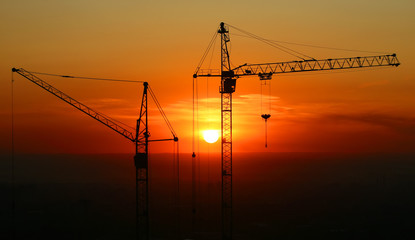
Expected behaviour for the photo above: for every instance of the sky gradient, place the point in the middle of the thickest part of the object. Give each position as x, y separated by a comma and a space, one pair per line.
162, 42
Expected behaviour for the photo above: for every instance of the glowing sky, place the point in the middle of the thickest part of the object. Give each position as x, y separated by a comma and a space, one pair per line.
162, 41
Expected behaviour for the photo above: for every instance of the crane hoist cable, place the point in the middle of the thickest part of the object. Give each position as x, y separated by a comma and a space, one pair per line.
89, 78
212, 41
193, 118
195, 124
313, 46
166, 120
13, 182
266, 104
195, 100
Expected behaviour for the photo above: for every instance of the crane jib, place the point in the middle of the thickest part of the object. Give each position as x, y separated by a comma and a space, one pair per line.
304, 66
92, 113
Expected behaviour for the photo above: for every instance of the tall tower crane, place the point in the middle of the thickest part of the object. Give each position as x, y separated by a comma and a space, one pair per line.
140, 138
264, 71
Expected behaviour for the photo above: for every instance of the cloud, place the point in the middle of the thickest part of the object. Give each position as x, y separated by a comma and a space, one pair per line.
208, 109
393, 121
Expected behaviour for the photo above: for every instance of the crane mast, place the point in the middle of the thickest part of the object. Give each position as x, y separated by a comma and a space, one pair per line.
264, 71
226, 89
141, 169
140, 138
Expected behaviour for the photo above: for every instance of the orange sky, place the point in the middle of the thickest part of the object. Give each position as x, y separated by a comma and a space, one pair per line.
162, 42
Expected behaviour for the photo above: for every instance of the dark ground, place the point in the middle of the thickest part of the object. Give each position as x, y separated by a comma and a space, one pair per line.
275, 196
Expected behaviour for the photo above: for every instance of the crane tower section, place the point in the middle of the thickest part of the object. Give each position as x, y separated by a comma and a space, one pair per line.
228, 82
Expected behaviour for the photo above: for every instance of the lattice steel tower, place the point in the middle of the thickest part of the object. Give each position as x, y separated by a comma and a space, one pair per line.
227, 87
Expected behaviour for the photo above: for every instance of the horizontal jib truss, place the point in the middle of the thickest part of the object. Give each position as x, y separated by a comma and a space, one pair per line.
308, 65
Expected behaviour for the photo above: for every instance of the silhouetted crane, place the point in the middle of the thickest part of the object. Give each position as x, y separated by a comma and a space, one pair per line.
264, 71
140, 138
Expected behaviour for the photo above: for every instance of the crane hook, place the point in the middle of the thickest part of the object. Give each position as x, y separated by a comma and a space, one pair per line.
265, 117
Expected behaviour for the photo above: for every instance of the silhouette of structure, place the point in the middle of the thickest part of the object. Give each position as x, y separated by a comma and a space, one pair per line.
264, 71
140, 138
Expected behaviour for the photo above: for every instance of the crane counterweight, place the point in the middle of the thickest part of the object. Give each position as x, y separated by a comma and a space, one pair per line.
229, 85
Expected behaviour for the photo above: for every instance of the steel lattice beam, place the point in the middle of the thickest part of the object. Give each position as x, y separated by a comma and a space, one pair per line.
89, 111
307, 66
316, 65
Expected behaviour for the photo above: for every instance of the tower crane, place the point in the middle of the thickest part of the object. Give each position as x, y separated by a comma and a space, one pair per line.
264, 71
140, 138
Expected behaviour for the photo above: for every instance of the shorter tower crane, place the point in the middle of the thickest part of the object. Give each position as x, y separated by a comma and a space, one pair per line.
140, 138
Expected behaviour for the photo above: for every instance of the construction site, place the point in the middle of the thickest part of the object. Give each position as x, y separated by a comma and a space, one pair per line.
265, 139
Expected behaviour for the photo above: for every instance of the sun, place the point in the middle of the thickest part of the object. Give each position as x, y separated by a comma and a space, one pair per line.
211, 136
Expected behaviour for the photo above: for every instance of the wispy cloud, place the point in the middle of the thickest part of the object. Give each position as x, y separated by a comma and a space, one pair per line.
207, 110
398, 123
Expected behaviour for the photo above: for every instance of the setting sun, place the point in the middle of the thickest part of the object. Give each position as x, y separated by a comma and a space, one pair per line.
211, 136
